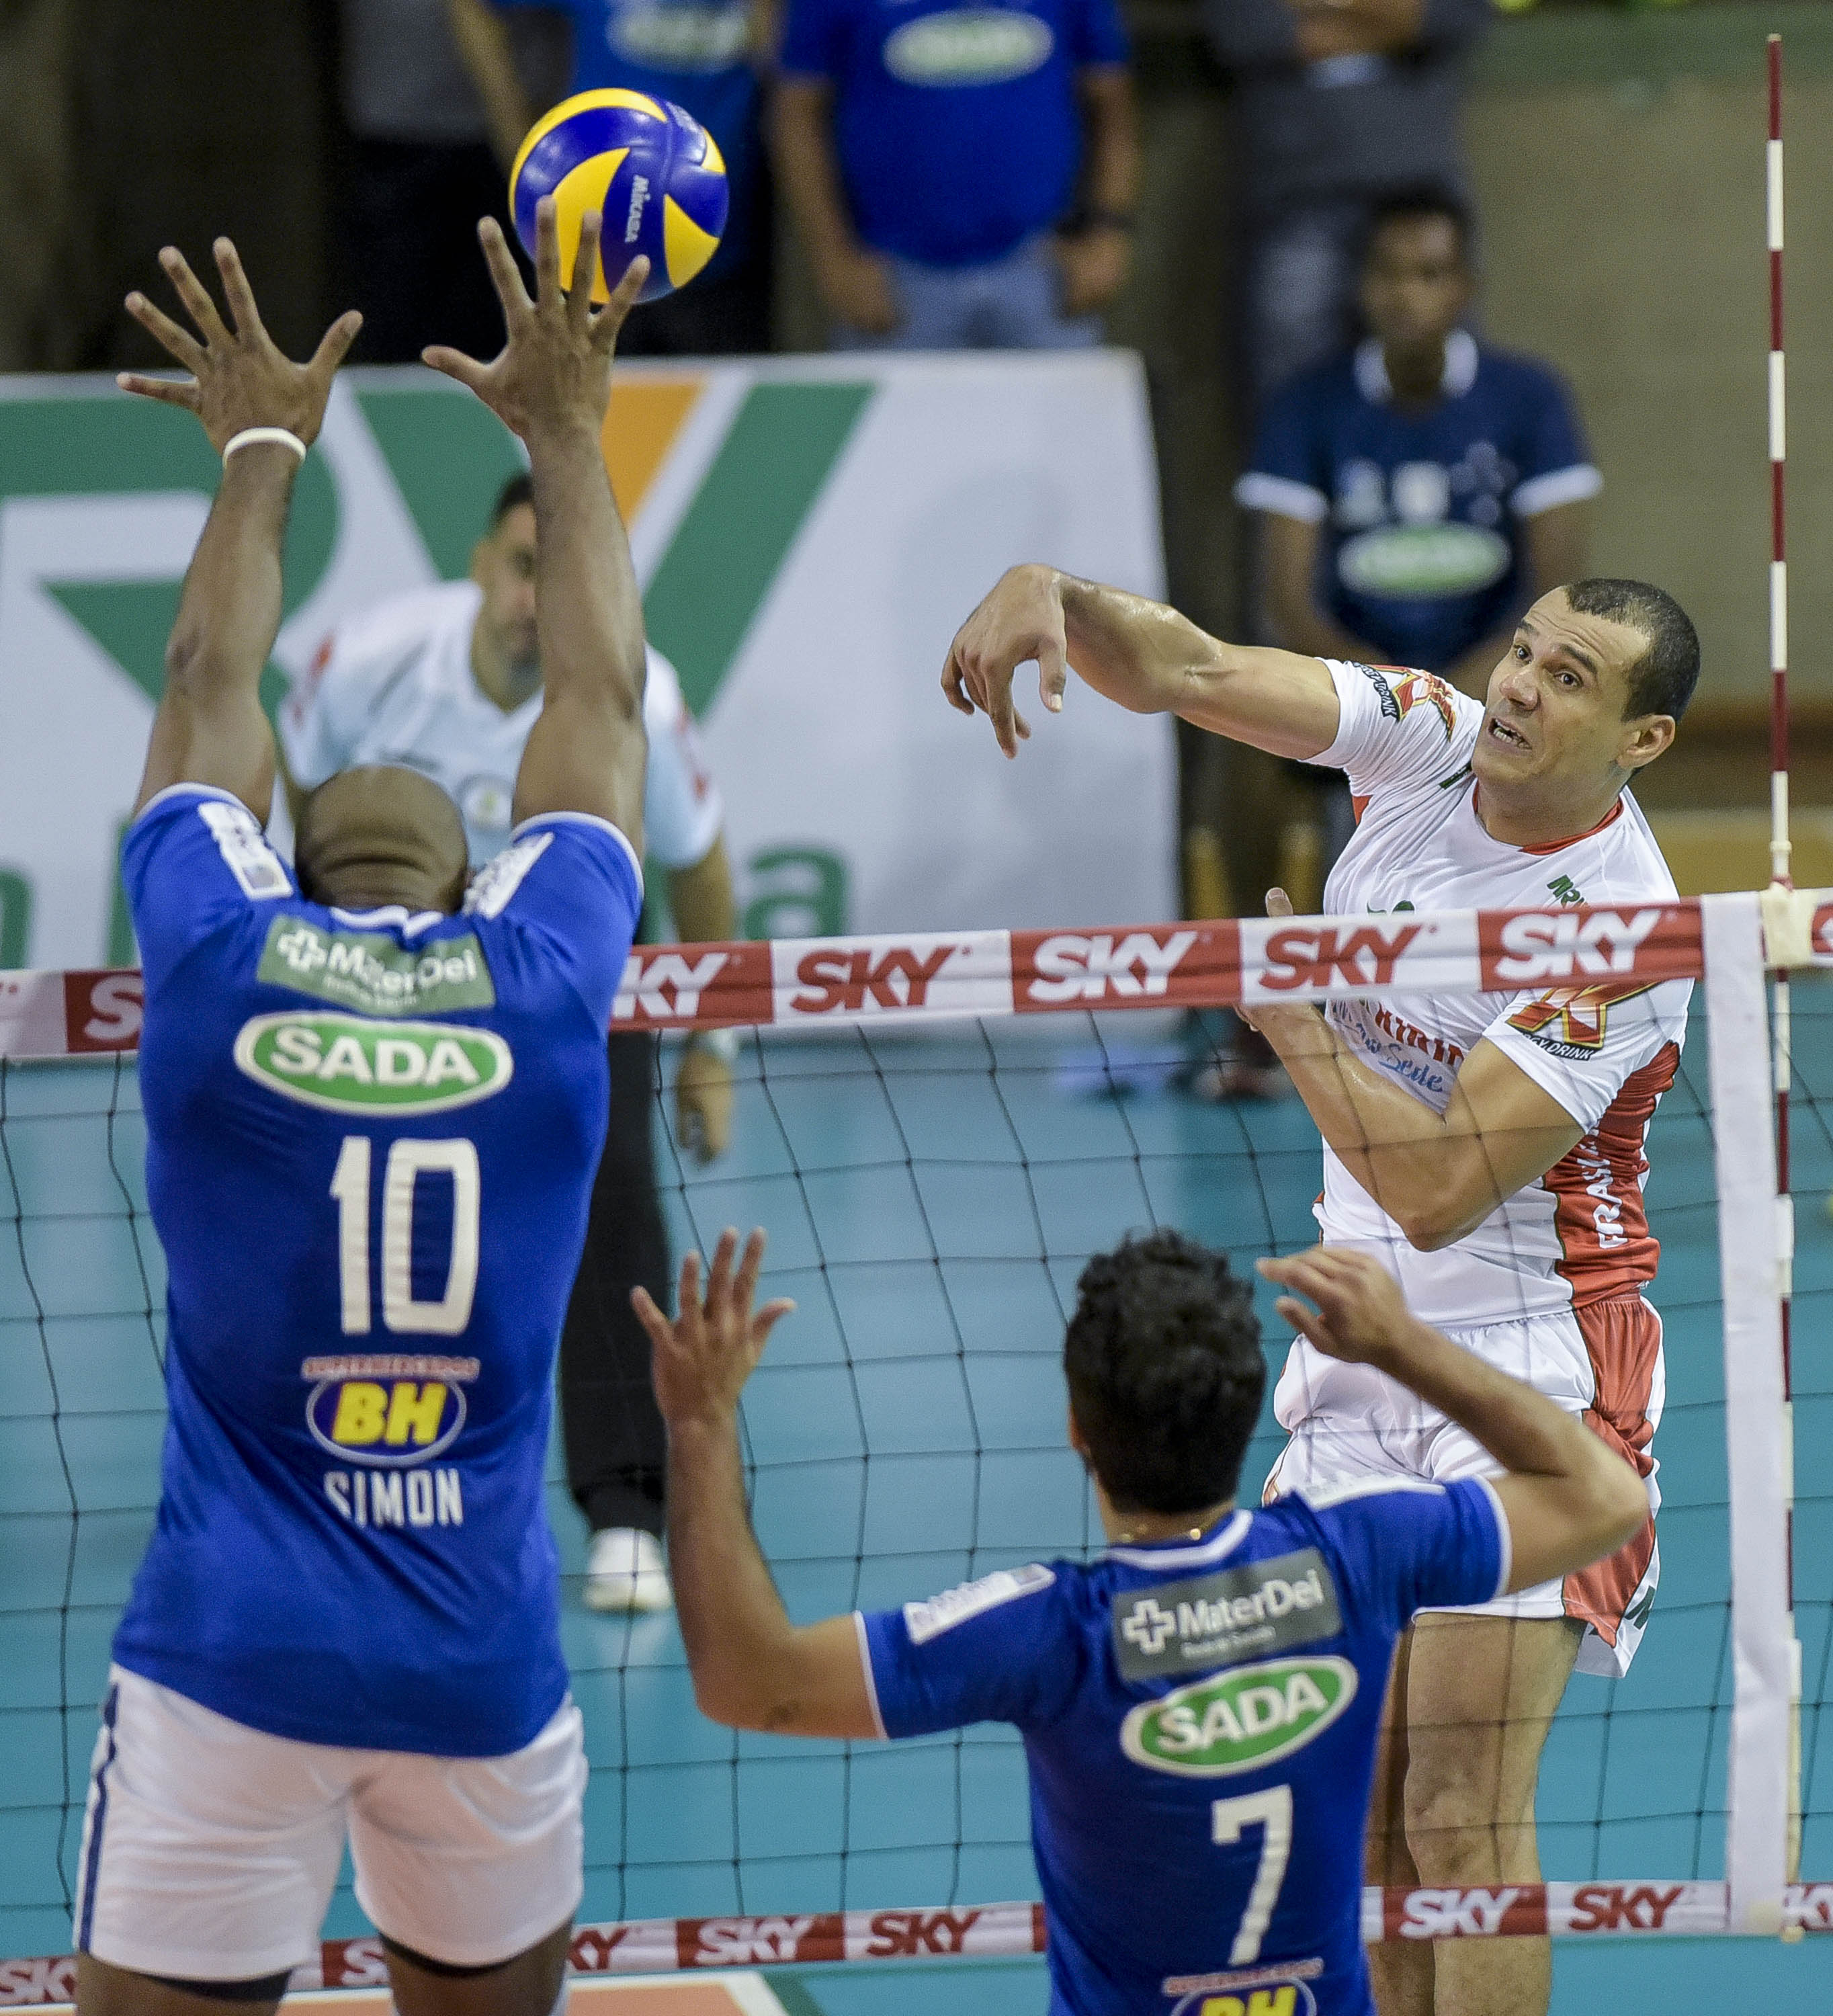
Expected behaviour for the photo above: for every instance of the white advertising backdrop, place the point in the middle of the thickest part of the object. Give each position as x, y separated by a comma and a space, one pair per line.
809, 533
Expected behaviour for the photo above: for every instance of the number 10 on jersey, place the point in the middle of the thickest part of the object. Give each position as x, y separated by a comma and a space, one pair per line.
407, 1162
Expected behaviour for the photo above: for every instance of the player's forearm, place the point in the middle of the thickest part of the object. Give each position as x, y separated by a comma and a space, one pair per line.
1140, 654
803, 150
1434, 1176
230, 612
705, 910
738, 1637
588, 607
1145, 657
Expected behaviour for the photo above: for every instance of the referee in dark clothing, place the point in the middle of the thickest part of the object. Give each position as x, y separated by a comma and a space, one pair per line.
447, 679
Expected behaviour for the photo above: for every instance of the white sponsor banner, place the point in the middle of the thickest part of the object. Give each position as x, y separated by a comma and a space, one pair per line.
809, 534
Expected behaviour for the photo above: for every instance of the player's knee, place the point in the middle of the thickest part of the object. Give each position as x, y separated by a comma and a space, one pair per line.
1455, 1834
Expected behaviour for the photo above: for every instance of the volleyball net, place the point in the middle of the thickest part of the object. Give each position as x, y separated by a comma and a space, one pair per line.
937, 1131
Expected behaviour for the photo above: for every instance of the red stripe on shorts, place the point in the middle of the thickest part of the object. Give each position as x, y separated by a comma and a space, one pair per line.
1622, 1339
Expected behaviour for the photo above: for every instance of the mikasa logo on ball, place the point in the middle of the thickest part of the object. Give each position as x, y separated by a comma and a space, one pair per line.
972, 46
638, 197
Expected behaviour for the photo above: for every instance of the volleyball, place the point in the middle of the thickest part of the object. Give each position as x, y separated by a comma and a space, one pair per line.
654, 172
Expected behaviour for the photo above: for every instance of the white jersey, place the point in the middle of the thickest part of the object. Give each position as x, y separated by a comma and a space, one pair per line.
394, 684
1606, 1052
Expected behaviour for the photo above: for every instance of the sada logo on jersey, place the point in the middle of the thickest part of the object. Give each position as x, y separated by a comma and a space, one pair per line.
390, 1412
349, 1065
1239, 1721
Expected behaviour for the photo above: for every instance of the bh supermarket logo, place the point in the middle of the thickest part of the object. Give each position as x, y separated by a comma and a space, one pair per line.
1249, 1991
1239, 1721
388, 1413
350, 1065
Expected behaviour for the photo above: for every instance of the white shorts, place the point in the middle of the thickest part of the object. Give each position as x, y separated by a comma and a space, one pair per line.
1602, 1361
210, 1849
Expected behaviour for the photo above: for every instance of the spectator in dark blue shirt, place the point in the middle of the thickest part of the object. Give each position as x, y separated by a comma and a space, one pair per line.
963, 176
1418, 493
706, 56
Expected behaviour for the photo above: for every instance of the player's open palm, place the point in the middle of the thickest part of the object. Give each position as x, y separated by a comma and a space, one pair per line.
1361, 1317
1020, 621
240, 378
554, 370
702, 1358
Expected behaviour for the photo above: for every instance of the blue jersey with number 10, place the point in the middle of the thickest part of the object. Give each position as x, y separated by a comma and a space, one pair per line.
371, 1138
1199, 1723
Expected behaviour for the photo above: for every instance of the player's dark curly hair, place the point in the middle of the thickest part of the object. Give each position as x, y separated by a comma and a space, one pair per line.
1662, 679
1165, 1374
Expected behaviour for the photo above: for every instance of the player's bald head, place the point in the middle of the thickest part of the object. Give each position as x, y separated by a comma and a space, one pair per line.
382, 834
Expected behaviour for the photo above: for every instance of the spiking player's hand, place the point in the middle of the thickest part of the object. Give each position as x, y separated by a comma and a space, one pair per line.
703, 1357
554, 370
1361, 1317
1021, 621
239, 376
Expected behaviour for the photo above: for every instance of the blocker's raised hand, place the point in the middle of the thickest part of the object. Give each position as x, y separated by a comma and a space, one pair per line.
554, 370
1361, 1315
239, 377
1021, 621
703, 1357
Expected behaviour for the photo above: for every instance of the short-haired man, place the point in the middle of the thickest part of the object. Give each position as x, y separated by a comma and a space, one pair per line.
1489, 1148
1199, 1795
374, 1099
1418, 493
447, 681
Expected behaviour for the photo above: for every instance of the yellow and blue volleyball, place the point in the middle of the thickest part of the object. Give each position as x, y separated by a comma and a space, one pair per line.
652, 171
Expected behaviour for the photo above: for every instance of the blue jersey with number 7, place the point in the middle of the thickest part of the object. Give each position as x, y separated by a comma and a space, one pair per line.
1200, 1722
370, 1141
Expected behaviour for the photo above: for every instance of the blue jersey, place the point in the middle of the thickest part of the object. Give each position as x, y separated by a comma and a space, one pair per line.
1422, 510
1199, 1723
697, 54
370, 1141
957, 127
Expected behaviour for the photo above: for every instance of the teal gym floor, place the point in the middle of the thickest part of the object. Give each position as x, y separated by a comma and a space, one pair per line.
930, 1200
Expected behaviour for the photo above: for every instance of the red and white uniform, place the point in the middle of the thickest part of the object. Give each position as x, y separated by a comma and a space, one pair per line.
1549, 1287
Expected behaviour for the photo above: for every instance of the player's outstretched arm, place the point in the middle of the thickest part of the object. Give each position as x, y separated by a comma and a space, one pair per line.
551, 384
1140, 655
1570, 1498
210, 729
752, 1668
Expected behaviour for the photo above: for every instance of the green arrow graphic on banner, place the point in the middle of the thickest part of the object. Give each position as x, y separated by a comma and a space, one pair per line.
106, 446
773, 465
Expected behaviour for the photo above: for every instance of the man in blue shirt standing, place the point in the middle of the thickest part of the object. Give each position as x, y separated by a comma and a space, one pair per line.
1418, 493
963, 176
704, 56
1200, 1705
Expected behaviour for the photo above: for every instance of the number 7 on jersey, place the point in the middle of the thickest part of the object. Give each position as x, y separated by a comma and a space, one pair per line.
1272, 1810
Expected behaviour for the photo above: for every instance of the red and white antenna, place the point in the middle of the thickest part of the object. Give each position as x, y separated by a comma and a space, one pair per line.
1779, 849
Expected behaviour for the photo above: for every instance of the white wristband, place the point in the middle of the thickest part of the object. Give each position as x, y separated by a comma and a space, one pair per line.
282, 437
